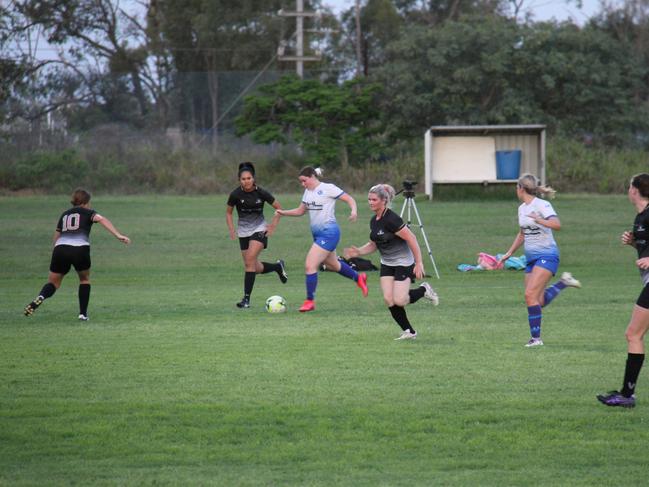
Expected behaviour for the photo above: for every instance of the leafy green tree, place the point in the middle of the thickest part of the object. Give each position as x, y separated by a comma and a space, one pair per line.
334, 124
206, 37
491, 71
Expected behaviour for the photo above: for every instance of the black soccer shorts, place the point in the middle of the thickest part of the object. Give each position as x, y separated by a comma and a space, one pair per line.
65, 256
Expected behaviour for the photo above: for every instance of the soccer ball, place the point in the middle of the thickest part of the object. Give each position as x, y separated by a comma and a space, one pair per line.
276, 304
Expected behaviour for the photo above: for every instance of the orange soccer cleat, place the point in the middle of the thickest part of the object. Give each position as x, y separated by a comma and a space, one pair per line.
362, 283
308, 305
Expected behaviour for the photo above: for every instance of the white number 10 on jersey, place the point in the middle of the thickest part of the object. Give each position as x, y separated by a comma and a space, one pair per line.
71, 222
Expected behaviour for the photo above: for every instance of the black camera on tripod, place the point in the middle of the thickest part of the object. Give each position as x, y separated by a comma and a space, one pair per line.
409, 188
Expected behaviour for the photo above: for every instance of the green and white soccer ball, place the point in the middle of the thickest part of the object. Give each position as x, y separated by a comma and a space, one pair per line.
276, 304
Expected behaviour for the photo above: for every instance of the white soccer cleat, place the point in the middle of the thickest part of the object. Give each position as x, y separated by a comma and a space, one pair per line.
430, 293
570, 281
534, 342
407, 335
83, 318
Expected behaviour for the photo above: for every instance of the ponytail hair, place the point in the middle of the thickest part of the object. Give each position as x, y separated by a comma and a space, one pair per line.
385, 192
312, 172
531, 185
246, 166
641, 183
80, 197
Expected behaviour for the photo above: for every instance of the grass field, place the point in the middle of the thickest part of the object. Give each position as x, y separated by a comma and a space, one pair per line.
170, 384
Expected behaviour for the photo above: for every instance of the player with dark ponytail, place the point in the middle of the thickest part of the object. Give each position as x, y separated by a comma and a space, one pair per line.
72, 248
639, 324
252, 230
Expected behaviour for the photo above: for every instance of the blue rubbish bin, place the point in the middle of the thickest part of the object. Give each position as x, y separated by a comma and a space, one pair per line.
508, 164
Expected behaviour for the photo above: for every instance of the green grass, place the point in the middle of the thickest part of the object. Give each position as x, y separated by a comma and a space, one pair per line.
170, 384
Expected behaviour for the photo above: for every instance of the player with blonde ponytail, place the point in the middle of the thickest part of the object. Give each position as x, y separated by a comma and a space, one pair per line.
401, 259
537, 220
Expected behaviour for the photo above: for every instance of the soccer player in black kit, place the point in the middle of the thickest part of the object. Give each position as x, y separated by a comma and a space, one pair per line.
639, 324
401, 259
252, 230
72, 248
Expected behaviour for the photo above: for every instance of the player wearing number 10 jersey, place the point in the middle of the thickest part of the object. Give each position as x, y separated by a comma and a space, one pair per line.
72, 249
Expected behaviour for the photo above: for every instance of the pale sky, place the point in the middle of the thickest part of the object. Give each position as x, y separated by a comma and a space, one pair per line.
541, 9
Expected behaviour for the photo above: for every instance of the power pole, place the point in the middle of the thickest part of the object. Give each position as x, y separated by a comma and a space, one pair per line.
299, 58
359, 40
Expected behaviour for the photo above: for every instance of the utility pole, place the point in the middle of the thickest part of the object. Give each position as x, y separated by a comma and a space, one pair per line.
299, 58
359, 40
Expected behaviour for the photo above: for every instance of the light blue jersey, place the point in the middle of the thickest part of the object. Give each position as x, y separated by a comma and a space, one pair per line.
321, 205
539, 240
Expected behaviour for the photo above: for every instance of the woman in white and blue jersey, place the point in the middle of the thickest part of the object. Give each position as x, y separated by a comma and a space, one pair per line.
537, 220
319, 200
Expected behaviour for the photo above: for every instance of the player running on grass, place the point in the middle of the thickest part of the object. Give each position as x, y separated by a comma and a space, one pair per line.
319, 199
72, 248
401, 259
537, 219
639, 324
252, 230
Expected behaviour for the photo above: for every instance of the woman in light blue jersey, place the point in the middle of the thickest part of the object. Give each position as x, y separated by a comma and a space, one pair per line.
319, 199
537, 220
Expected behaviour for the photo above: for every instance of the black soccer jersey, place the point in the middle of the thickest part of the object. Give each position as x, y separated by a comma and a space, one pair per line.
641, 233
74, 225
393, 249
250, 208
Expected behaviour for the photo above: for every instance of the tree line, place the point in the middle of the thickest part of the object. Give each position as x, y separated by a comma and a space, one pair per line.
388, 70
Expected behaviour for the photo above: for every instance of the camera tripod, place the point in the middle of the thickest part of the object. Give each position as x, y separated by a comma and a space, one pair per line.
409, 203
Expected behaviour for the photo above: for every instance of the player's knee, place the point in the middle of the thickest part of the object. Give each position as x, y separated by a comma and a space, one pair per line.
388, 301
402, 300
633, 336
531, 298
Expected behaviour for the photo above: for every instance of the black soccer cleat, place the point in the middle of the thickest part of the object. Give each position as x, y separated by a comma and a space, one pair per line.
283, 276
31, 307
244, 303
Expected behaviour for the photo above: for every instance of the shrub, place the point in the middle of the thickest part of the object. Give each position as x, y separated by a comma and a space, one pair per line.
49, 171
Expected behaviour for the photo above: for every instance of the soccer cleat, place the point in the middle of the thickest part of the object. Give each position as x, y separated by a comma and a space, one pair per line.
31, 307
83, 317
615, 398
569, 281
362, 283
407, 335
534, 342
308, 305
430, 293
283, 276
244, 303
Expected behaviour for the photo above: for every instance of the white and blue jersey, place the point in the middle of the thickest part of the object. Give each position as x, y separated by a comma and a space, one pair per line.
321, 205
539, 240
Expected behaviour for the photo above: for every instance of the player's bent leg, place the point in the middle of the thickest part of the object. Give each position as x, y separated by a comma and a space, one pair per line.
401, 292
47, 291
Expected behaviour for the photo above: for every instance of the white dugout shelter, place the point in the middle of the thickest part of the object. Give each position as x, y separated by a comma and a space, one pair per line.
467, 154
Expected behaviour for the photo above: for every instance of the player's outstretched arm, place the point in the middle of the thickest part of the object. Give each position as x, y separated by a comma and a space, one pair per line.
299, 211
353, 251
106, 223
